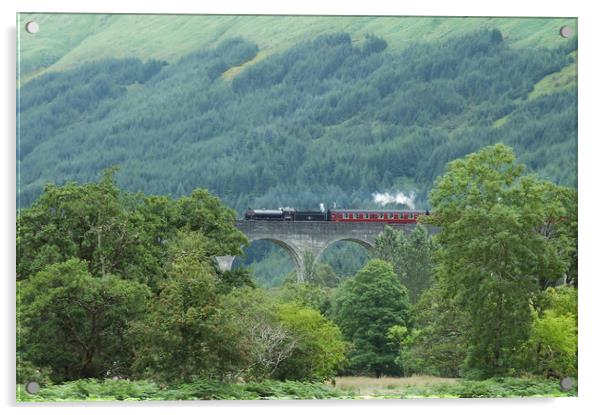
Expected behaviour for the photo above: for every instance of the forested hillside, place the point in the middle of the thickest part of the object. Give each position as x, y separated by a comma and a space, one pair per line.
327, 120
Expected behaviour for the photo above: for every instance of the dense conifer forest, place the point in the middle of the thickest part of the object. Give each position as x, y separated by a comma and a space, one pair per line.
328, 120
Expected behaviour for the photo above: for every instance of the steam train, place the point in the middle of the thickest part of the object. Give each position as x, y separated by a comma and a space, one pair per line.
335, 215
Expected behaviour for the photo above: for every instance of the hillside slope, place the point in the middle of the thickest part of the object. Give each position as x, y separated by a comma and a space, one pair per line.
327, 120
67, 40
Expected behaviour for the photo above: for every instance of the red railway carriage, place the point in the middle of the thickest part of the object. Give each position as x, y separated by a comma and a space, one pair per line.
387, 216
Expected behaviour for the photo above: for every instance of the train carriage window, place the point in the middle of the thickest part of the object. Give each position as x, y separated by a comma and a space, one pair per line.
410, 216
345, 215
390, 215
381, 215
366, 216
355, 216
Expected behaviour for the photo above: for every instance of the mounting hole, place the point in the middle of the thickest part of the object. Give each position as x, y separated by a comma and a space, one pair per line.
566, 31
32, 27
566, 384
32, 387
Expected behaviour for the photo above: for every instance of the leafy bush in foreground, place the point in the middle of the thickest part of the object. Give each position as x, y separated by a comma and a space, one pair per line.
111, 390
491, 388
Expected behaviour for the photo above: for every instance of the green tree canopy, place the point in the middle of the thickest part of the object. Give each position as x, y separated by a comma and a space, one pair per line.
494, 253
181, 337
117, 232
87, 255
87, 221
76, 323
552, 346
437, 344
412, 257
319, 347
367, 306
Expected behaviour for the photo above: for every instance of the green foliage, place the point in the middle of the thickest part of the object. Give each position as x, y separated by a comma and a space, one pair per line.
345, 258
76, 324
551, 350
270, 264
555, 337
366, 308
492, 388
181, 337
88, 257
325, 276
111, 390
125, 390
309, 267
199, 323
319, 347
204, 213
566, 227
89, 222
57, 100
560, 300
411, 257
263, 343
437, 345
492, 256
306, 295
28, 372
236, 278
318, 274
116, 232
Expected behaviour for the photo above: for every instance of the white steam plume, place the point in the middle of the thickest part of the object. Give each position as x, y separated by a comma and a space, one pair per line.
399, 198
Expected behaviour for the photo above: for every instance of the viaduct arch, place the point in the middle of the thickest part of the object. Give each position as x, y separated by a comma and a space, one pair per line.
298, 238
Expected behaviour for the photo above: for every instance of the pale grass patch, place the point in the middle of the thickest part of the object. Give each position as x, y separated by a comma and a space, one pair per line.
366, 386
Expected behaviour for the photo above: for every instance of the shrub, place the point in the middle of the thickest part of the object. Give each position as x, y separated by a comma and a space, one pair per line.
110, 390
319, 351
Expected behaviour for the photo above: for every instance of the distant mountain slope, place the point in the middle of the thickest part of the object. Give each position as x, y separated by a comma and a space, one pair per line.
67, 40
327, 120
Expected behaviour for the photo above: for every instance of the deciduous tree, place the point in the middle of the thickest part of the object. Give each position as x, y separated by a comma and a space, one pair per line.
367, 306
76, 324
412, 257
493, 254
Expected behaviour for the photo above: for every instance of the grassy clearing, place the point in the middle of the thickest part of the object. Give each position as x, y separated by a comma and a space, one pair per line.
232, 72
566, 78
369, 386
500, 122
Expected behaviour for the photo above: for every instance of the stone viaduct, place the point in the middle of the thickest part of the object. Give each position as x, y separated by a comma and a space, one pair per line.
300, 238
